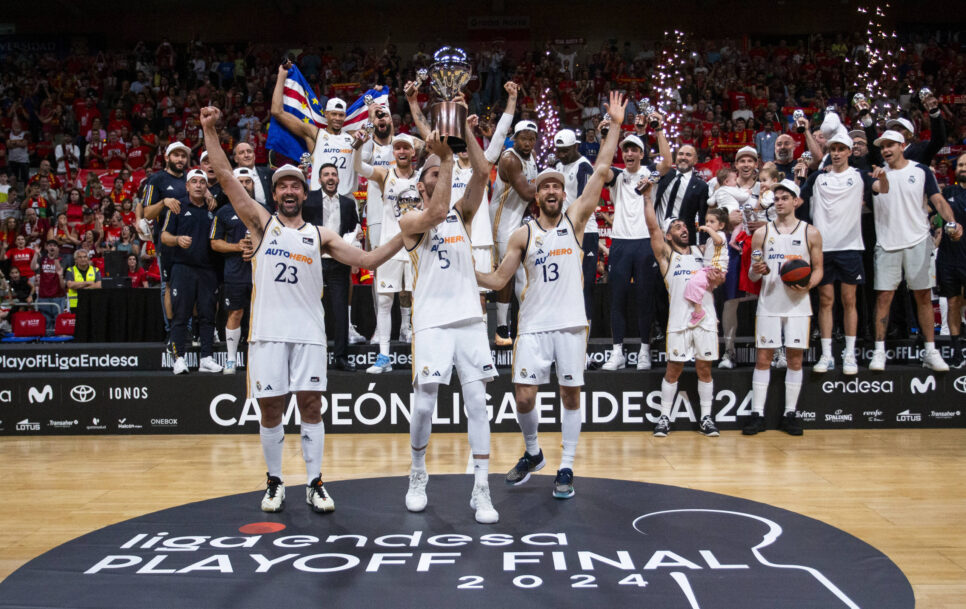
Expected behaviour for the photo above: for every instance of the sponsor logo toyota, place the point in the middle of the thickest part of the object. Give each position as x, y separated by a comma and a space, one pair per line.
960, 384
82, 393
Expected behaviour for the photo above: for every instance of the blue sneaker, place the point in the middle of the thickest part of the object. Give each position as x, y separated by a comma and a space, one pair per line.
563, 484
525, 466
383, 364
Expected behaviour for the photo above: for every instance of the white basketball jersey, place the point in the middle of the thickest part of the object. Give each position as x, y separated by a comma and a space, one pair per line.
570, 188
335, 149
553, 297
776, 299
287, 286
481, 231
395, 186
445, 289
508, 207
679, 271
378, 156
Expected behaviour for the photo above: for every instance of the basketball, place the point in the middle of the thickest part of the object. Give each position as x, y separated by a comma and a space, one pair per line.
796, 272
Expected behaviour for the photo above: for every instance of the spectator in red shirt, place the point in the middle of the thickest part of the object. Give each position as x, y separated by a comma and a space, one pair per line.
128, 216
117, 192
34, 228
137, 275
10, 230
50, 283
75, 206
85, 114
115, 151
34, 201
21, 257
139, 156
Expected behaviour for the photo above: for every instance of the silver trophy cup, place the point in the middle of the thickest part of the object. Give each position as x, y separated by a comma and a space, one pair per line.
448, 75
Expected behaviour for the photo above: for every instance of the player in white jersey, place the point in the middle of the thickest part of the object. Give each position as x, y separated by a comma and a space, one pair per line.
835, 198
396, 276
513, 191
552, 325
783, 310
447, 328
677, 260
329, 145
287, 336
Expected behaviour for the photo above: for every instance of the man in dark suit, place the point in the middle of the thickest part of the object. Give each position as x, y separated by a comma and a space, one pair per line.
340, 214
245, 157
681, 193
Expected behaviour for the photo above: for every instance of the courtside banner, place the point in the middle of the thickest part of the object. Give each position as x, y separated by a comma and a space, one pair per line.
159, 403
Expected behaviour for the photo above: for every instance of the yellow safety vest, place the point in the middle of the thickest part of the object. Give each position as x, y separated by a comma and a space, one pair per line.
77, 275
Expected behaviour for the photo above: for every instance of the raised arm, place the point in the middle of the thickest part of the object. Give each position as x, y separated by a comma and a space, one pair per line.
514, 255
412, 91
495, 148
663, 147
435, 210
473, 195
306, 131
361, 167
658, 245
248, 209
581, 209
353, 256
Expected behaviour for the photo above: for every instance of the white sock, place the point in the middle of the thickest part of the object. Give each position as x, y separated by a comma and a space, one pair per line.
478, 428
529, 422
313, 445
421, 422
880, 345
827, 347
350, 316
570, 430
705, 395
645, 349
850, 345
481, 472
419, 458
384, 322
618, 350
502, 313
405, 319
232, 338
930, 346
793, 385
759, 390
272, 441
668, 392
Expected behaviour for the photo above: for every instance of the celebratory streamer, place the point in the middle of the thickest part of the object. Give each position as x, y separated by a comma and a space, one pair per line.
670, 78
877, 73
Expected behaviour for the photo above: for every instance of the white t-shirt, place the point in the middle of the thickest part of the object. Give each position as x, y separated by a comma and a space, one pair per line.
376, 155
836, 207
59, 151
901, 219
628, 205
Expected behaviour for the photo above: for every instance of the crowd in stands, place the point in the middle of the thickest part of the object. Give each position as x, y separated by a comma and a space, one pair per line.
80, 133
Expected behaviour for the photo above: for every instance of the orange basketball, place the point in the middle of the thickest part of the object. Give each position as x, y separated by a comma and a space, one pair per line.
796, 272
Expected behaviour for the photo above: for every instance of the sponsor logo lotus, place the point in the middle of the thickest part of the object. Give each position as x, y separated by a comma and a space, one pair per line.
838, 417
873, 416
906, 416
27, 425
82, 393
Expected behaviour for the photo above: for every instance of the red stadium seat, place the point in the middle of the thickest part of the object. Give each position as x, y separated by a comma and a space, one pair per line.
29, 324
64, 324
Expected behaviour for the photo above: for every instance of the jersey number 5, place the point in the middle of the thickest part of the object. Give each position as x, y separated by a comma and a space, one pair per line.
286, 273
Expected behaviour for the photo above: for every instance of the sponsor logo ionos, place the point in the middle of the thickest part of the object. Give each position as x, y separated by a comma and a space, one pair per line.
858, 386
838, 417
128, 393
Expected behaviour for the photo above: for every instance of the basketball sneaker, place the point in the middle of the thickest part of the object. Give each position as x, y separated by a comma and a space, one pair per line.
644, 358
383, 364
778, 360
208, 364
525, 466
615, 361
934, 361
563, 484
502, 337
416, 495
480, 501
354, 337
727, 360
878, 361
318, 498
274, 499
824, 364
849, 365
229, 367
754, 425
663, 427
957, 361
180, 366
791, 424
707, 427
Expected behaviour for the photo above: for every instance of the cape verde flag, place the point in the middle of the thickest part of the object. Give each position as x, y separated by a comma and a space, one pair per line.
300, 101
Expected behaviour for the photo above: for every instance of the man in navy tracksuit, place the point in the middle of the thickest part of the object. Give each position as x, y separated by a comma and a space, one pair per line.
193, 279
951, 264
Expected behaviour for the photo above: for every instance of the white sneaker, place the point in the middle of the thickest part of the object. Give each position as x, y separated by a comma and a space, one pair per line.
480, 501
615, 361
644, 359
318, 497
180, 366
274, 499
406, 334
824, 364
354, 337
779, 361
849, 365
229, 367
878, 361
208, 364
934, 361
727, 360
416, 495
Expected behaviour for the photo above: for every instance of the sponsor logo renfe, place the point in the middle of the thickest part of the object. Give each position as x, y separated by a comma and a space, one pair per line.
909, 417
857, 386
874, 416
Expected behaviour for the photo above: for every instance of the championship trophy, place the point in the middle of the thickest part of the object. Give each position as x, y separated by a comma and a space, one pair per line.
798, 115
449, 74
647, 109
861, 103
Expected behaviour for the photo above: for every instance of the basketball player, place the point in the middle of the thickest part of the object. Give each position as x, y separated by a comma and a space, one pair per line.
329, 145
552, 325
677, 260
447, 328
783, 310
512, 193
396, 276
287, 335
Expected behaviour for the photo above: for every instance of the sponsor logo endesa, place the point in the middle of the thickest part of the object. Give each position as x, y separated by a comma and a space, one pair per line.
857, 386
56, 361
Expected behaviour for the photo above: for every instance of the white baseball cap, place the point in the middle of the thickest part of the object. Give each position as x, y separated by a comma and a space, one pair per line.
244, 172
288, 171
335, 103
889, 135
565, 138
196, 173
632, 140
525, 126
746, 150
548, 174
175, 146
900, 122
204, 155
403, 138
788, 185
841, 138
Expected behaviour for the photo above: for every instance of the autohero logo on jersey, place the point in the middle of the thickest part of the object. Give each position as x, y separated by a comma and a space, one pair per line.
856, 386
56, 361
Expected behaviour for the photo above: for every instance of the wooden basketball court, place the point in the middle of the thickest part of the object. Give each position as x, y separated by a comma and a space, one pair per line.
904, 491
